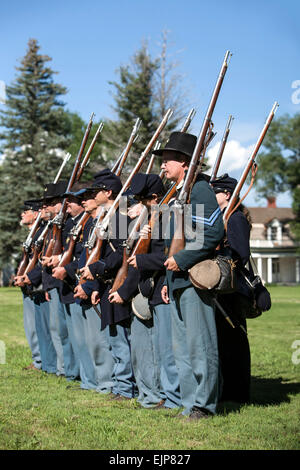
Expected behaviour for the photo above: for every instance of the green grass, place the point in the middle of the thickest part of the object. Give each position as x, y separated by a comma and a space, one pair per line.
37, 411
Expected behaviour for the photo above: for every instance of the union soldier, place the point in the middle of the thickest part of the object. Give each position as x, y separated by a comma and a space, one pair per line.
234, 349
115, 317
51, 203
28, 217
67, 283
193, 321
33, 279
159, 377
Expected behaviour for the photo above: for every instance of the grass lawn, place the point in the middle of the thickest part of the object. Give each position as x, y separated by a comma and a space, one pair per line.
38, 411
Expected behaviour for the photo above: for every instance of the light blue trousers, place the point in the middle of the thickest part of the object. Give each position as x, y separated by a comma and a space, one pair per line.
123, 375
91, 346
71, 357
169, 379
195, 349
56, 313
42, 323
145, 362
30, 330
99, 349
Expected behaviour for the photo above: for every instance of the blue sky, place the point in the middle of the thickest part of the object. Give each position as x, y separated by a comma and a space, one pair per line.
88, 40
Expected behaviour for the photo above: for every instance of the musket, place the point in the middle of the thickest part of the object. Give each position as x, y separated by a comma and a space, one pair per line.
28, 242
74, 233
117, 170
103, 223
184, 128
142, 245
178, 237
117, 166
37, 248
197, 159
86, 158
55, 244
221, 149
152, 158
251, 164
131, 139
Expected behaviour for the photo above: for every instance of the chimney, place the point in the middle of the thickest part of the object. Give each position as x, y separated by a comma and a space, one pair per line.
271, 202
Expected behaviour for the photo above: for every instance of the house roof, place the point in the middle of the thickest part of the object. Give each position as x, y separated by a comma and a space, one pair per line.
264, 215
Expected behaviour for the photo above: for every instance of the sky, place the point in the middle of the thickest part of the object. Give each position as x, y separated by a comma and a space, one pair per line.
88, 40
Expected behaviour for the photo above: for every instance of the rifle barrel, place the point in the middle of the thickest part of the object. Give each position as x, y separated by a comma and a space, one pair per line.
251, 161
221, 149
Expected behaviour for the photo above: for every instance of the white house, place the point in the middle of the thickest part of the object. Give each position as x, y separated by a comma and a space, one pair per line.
272, 244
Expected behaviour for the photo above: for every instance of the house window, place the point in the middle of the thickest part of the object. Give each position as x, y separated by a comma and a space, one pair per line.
274, 231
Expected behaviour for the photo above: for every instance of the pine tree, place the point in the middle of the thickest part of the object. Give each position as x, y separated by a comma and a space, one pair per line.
133, 99
34, 137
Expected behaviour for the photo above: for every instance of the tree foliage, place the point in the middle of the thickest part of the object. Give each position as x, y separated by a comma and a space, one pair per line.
35, 135
279, 164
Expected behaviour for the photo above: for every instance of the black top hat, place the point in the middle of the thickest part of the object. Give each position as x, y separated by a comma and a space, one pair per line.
107, 180
53, 190
144, 185
224, 184
180, 142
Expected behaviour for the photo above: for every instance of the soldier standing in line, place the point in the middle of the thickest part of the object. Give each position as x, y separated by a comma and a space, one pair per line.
115, 317
234, 349
163, 389
194, 332
28, 217
33, 279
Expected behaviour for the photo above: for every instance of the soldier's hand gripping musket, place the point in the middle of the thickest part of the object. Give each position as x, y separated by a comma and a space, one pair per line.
23, 267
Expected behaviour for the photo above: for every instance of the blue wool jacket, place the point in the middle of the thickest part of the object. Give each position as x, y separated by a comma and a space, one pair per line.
66, 287
208, 227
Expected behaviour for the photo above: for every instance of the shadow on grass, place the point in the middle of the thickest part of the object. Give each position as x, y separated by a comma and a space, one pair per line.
264, 392
272, 391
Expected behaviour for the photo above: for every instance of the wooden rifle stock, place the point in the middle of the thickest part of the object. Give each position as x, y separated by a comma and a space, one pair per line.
75, 232
142, 245
27, 245
104, 220
178, 241
37, 248
28, 242
55, 244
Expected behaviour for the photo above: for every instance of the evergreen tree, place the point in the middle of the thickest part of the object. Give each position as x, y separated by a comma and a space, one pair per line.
34, 138
147, 88
133, 98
